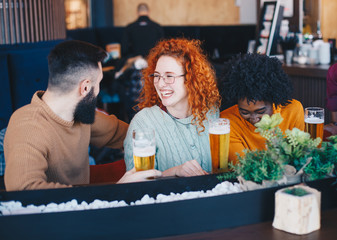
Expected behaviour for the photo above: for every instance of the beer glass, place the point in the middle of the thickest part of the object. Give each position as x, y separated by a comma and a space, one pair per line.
219, 130
144, 149
314, 121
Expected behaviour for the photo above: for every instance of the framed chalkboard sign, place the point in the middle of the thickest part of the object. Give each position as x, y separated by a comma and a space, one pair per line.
268, 28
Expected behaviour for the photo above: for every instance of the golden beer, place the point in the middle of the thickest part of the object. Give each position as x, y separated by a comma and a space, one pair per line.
144, 149
144, 158
219, 151
219, 132
144, 163
314, 127
314, 121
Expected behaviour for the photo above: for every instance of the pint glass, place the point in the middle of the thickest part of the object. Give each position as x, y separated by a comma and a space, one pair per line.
219, 130
314, 121
144, 149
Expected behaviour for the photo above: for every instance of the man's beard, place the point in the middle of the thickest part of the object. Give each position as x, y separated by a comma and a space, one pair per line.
85, 109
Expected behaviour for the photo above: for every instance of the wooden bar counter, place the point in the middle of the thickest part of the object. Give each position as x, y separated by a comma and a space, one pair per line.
265, 231
309, 83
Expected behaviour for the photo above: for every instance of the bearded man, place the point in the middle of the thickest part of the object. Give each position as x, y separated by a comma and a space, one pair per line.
46, 143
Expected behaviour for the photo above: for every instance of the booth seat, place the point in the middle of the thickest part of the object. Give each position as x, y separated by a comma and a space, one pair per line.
29, 72
226, 40
108, 172
6, 107
23, 70
97, 36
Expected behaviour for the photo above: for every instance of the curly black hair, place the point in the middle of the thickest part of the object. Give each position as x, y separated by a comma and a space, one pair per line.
255, 77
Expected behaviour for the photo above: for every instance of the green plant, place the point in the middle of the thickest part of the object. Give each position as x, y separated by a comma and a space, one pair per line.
227, 176
258, 166
293, 148
324, 160
319, 165
331, 148
298, 191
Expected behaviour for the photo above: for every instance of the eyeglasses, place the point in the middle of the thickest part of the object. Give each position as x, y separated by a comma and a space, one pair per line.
168, 78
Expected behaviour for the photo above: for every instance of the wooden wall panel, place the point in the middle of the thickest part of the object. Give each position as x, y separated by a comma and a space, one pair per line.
5, 21
9, 6
329, 19
24, 21
180, 12
22, 26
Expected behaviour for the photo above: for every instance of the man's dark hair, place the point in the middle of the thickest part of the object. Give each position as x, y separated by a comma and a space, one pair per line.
255, 77
71, 62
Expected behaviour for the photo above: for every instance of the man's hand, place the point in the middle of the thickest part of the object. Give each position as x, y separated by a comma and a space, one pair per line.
134, 176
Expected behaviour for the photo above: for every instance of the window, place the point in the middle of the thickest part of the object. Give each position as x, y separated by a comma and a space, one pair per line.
77, 13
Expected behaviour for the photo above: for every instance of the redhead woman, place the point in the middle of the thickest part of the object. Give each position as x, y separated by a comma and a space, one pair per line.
178, 98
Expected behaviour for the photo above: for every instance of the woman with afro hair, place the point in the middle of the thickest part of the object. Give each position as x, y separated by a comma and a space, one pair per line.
178, 97
257, 85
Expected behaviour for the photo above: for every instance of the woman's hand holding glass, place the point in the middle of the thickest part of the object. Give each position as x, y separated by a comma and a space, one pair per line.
144, 149
134, 176
189, 169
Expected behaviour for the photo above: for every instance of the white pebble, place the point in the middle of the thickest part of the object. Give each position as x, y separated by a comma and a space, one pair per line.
113, 203
15, 207
122, 204
52, 205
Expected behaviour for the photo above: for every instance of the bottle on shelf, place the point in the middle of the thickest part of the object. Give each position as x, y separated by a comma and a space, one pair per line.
318, 35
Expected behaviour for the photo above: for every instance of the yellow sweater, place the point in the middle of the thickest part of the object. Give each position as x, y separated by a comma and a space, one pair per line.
44, 151
243, 135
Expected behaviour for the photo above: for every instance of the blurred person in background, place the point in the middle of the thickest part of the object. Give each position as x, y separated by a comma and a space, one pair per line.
142, 35
331, 100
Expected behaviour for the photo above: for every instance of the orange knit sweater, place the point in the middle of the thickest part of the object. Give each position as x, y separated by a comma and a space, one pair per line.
243, 135
44, 151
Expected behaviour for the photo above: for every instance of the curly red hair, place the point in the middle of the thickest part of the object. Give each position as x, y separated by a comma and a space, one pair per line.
203, 94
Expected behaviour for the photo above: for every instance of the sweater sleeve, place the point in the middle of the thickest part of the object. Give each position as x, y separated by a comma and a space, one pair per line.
108, 131
26, 157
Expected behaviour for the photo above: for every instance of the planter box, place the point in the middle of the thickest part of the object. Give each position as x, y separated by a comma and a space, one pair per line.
145, 221
297, 214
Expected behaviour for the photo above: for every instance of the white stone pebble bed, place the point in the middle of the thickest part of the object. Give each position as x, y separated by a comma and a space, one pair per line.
15, 207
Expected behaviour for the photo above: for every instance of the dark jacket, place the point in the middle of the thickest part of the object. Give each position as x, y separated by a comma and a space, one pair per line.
140, 36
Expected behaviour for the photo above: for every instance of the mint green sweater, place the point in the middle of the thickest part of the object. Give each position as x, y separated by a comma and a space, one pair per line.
177, 140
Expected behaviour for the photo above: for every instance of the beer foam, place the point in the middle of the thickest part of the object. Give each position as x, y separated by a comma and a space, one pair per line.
144, 151
224, 129
314, 120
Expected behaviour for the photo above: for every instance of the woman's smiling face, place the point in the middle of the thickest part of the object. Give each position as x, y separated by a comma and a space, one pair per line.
253, 111
174, 96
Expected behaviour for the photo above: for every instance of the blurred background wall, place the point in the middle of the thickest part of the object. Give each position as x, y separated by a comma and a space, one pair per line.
180, 12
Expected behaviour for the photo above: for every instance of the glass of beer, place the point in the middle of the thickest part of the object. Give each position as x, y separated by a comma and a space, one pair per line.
219, 130
144, 149
314, 121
